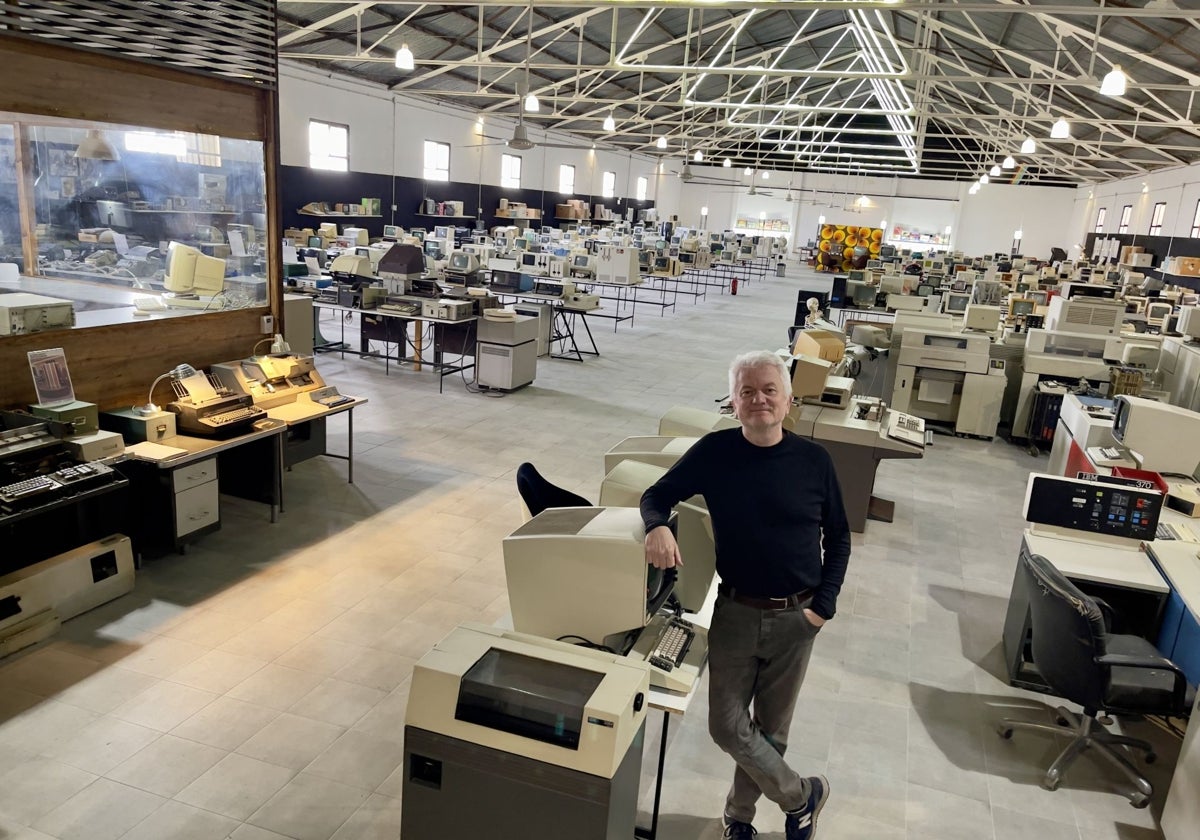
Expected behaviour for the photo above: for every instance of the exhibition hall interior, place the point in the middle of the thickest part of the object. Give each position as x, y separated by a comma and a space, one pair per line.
339, 342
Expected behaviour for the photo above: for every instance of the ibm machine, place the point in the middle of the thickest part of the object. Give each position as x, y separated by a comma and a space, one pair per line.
582, 572
511, 735
277, 379
949, 377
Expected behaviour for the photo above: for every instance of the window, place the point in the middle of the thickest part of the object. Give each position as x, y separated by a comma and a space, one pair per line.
510, 171
185, 147
328, 146
566, 179
642, 186
437, 161
608, 187
1156, 218
1126, 212
1196, 222
1100, 214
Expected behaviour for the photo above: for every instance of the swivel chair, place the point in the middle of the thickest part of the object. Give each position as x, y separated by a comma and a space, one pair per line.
538, 494
1083, 662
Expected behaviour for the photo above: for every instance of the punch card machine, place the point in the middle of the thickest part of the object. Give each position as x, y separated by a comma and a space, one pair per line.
509, 735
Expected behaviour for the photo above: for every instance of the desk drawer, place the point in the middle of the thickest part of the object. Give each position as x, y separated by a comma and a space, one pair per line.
196, 507
194, 474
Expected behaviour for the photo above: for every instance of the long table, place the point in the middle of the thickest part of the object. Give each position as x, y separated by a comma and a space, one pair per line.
457, 337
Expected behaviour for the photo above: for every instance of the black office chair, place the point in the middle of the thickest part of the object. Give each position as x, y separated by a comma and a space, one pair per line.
539, 494
1083, 662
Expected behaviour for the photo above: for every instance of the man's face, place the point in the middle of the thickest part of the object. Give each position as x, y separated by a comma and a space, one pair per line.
760, 399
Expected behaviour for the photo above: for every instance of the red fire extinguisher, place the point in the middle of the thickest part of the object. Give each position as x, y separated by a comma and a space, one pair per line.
733, 286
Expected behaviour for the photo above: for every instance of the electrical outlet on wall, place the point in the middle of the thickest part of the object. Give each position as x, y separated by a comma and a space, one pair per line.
266, 324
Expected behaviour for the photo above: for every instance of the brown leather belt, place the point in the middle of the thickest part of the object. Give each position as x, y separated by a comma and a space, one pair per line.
785, 603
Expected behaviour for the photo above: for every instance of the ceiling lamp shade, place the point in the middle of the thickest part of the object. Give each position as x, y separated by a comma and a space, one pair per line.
610, 124
1061, 130
1114, 82
994, 171
95, 146
532, 106
728, 163
661, 143
1029, 146
1008, 163
983, 179
766, 175
748, 171
698, 156
404, 58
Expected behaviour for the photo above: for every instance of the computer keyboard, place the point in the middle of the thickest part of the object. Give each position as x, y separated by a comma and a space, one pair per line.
334, 400
234, 415
1111, 453
672, 645
20, 492
906, 428
1165, 532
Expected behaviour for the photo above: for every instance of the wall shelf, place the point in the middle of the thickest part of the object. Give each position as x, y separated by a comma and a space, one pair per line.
340, 215
436, 216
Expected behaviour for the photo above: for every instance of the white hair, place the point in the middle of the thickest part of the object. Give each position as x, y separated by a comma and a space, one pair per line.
758, 359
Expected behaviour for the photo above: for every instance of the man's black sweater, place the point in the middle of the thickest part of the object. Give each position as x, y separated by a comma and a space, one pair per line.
777, 514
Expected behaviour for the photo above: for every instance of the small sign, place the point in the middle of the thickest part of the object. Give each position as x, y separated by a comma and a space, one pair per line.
51, 379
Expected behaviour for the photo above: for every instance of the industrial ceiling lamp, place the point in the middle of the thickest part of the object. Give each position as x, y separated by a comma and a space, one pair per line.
1008, 163
748, 171
983, 179
404, 58
698, 156
1029, 147
728, 163
1061, 130
1114, 82
610, 124
96, 146
661, 142
994, 171
532, 106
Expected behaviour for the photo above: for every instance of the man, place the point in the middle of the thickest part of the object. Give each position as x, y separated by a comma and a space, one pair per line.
782, 545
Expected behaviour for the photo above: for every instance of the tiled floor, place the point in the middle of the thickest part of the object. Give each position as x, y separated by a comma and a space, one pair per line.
255, 687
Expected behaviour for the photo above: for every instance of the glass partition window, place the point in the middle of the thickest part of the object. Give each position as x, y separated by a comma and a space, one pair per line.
566, 179
126, 219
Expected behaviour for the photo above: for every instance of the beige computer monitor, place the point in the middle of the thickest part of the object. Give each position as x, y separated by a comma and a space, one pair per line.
579, 571
623, 487
663, 451
808, 376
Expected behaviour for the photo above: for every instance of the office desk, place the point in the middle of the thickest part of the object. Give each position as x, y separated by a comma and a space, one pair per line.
1125, 578
456, 337
176, 495
305, 437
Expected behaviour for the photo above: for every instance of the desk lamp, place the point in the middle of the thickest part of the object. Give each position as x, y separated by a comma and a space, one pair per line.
177, 373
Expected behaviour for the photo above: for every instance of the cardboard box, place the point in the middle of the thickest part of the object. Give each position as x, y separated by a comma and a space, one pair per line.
1141, 260
563, 211
1188, 266
819, 343
1127, 252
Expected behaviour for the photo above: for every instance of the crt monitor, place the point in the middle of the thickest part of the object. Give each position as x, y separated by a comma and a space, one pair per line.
191, 272
581, 261
662, 263
1162, 437
316, 242
956, 302
432, 248
857, 276
924, 290
391, 232
582, 571
864, 295
1018, 307
463, 262
528, 259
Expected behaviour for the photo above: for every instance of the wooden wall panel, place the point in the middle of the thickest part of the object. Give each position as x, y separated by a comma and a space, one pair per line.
114, 366
84, 86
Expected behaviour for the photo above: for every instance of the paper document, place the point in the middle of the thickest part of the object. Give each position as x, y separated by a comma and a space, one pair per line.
121, 243
289, 253
199, 388
236, 246
148, 451
314, 267
936, 391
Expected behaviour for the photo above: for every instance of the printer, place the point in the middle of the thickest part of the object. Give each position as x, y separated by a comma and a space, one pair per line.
271, 380
948, 377
510, 735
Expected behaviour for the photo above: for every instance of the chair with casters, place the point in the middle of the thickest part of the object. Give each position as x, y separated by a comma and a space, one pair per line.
538, 494
1101, 671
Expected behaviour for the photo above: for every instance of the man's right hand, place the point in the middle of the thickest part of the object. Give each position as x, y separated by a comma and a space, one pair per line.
662, 552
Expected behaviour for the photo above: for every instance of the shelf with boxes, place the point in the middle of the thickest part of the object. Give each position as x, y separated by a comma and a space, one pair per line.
368, 208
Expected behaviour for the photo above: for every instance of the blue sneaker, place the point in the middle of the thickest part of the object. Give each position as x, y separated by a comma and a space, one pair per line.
801, 824
739, 830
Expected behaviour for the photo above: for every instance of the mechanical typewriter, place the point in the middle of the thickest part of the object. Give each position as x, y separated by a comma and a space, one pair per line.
222, 415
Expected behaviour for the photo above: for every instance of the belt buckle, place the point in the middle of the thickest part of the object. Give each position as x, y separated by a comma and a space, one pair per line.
783, 603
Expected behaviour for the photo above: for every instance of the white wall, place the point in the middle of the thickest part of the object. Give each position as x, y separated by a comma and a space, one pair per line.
1178, 187
387, 134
